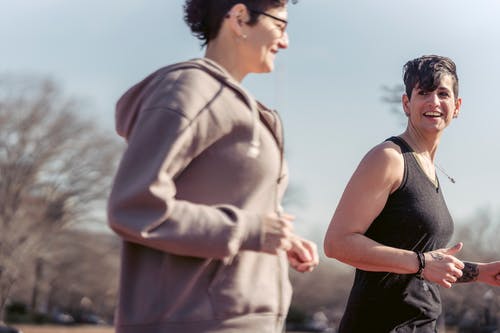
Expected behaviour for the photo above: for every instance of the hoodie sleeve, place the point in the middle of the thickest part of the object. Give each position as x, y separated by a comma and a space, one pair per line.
143, 209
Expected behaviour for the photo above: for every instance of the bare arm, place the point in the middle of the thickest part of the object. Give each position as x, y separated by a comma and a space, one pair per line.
488, 273
377, 176
379, 173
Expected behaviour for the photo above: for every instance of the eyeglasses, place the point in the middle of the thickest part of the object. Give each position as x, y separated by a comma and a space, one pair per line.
285, 22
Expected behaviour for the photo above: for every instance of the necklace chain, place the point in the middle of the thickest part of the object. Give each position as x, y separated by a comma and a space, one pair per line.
452, 180
440, 168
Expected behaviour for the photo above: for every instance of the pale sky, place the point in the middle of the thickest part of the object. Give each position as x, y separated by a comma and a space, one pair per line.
327, 85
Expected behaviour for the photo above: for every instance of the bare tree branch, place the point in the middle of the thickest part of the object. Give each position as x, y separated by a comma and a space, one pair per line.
55, 170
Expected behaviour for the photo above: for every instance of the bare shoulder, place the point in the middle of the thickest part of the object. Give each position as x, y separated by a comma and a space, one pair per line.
379, 174
385, 154
383, 163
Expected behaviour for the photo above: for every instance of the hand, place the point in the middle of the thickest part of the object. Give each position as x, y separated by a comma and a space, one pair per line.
277, 232
442, 267
303, 255
489, 273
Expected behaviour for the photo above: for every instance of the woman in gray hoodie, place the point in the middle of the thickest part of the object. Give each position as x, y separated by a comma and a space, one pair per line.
196, 198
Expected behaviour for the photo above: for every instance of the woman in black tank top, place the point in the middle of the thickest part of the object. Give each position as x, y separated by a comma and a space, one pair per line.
392, 222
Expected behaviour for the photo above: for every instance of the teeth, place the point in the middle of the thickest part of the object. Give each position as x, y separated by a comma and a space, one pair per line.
432, 114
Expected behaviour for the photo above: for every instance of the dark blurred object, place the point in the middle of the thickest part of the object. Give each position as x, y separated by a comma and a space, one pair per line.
90, 318
9, 329
17, 312
62, 318
298, 321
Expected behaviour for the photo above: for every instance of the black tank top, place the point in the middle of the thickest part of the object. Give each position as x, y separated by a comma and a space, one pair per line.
415, 217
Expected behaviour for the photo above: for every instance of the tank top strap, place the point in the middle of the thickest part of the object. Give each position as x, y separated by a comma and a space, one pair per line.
405, 147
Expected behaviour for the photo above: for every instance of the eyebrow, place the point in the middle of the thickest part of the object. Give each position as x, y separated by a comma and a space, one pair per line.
418, 88
443, 88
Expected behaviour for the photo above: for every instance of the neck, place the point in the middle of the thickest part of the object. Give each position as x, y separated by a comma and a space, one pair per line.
422, 144
225, 55
425, 146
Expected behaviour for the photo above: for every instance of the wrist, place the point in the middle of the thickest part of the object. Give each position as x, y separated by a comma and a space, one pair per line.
472, 272
421, 264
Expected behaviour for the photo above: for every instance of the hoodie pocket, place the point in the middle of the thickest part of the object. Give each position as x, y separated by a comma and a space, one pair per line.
252, 283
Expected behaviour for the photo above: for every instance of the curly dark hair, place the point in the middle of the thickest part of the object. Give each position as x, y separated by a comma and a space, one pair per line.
427, 71
204, 17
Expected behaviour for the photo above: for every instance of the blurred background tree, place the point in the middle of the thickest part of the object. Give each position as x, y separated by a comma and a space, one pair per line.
55, 173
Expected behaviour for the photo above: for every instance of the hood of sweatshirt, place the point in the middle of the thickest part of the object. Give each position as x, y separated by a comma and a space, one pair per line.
129, 105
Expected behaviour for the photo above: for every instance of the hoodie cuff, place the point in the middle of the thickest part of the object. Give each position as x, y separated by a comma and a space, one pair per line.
251, 233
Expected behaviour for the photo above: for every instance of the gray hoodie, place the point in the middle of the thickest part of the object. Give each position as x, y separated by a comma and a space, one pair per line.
204, 161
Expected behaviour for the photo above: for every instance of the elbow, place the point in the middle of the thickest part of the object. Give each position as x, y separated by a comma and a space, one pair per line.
330, 247
125, 215
115, 220
336, 246
334, 241
337, 253
327, 249
114, 225
111, 216
112, 212
331, 252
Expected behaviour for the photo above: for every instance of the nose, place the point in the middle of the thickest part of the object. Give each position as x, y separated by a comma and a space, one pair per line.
284, 41
433, 98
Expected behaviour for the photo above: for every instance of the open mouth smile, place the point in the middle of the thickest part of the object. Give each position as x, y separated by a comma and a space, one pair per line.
433, 114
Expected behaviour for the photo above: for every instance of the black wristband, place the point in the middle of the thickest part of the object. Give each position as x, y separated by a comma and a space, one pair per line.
421, 265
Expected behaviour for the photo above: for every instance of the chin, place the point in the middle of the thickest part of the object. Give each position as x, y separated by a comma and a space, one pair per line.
269, 67
264, 66
264, 69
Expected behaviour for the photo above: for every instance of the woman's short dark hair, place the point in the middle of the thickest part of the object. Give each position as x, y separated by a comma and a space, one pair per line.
427, 71
204, 17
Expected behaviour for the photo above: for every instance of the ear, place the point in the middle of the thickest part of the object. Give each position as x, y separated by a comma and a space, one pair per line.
458, 104
237, 16
405, 101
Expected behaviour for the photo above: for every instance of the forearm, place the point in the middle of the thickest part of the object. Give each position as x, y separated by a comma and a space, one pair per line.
362, 252
188, 229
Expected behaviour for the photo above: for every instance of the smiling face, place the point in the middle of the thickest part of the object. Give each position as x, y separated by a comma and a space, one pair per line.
264, 40
432, 111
